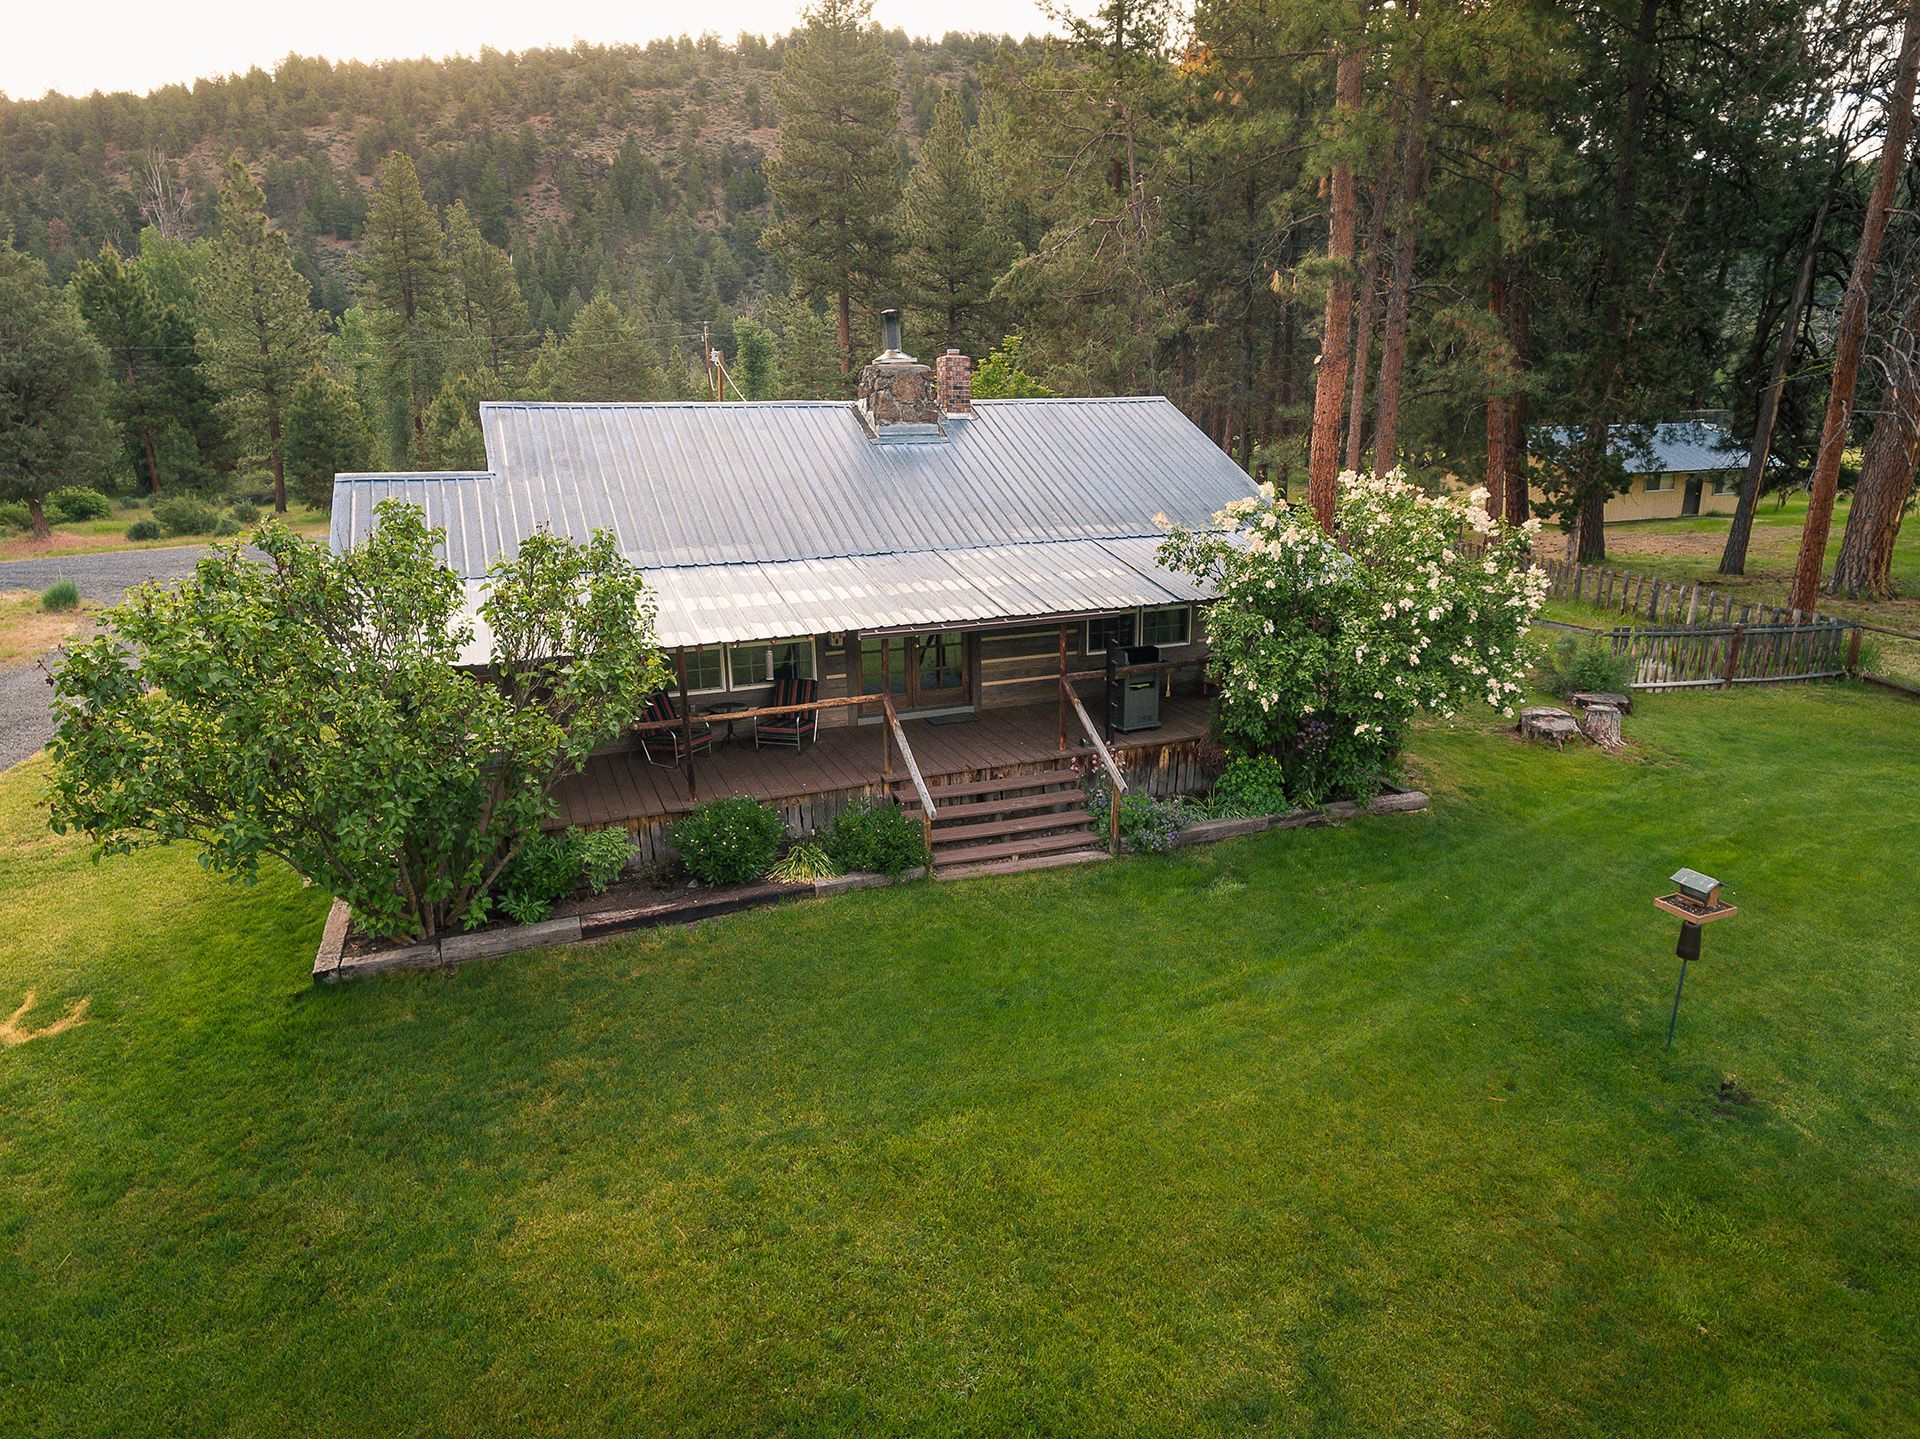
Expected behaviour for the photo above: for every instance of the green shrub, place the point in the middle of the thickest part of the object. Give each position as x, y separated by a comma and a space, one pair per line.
60, 595
1147, 825
224, 526
244, 513
1250, 785
875, 837
604, 856
76, 502
550, 867
15, 516
145, 528
1586, 662
729, 841
186, 515
804, 863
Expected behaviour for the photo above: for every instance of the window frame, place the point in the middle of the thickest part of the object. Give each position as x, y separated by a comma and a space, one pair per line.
1661, 484
1186, 625
764, 650
1132, 618
717, 650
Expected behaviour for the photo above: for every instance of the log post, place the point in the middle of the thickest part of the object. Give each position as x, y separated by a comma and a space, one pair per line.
886, 702
1062, 696
686, 718
1734, 646
1853, 652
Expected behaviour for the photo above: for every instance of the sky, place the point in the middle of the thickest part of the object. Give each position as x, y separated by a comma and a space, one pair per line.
118, 45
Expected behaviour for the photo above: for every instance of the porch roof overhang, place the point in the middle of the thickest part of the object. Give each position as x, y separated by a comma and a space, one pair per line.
933, 589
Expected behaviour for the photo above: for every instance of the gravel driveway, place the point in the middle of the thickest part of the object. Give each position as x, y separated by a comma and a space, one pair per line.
25, 724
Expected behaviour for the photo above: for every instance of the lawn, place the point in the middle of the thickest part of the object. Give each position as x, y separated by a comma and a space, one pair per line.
87, 537
29, 629
1341, 1132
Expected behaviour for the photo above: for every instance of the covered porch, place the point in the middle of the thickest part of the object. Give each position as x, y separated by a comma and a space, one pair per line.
845, 761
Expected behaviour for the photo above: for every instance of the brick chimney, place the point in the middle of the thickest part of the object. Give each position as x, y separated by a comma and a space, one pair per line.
896, 395
953, 379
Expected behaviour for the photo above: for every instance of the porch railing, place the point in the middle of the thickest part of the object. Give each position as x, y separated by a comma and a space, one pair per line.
927, 811
1114, 777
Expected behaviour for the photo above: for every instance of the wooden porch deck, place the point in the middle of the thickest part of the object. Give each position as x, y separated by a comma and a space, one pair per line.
625, 789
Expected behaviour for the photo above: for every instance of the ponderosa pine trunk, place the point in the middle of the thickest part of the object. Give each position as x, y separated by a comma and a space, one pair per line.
1498, 432
1733, 558
1864, 566
1408, 193
1593, 480
1514, 492
1363, 329
1850, 338
1336, 339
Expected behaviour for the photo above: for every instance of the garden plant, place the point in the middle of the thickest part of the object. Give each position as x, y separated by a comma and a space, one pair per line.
1326, 646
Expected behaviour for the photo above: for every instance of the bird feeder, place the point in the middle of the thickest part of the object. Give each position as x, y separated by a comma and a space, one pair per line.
1696, 900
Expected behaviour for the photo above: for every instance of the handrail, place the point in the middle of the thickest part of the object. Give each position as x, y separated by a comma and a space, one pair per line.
1118, 780
913, 765
755, 712
1099, 745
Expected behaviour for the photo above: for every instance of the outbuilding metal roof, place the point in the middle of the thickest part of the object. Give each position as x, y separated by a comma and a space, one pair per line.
1680, 447
759, 521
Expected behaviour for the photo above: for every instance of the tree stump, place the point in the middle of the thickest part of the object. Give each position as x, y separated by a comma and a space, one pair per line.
1544, 724
1582, 699
1601, 724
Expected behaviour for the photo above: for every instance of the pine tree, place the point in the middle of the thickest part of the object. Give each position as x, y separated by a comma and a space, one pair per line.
954, 251
260, 334
53, 428
809, 362
755, 354
406, 284
836, 179
159, 397
489, 311
454, 441
603, 358
327, 435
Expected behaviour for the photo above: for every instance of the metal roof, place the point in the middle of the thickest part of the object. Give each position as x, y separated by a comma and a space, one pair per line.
1680, 447
758, 521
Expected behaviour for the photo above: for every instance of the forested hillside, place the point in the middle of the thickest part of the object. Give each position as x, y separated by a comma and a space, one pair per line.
590, 163
1337, 236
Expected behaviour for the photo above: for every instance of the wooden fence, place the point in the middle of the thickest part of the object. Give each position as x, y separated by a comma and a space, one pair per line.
1665, 602
1678, 657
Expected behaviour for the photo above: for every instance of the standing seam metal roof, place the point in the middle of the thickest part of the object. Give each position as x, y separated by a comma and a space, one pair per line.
764, 520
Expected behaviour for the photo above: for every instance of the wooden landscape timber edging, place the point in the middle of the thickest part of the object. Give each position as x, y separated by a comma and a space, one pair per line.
331, 964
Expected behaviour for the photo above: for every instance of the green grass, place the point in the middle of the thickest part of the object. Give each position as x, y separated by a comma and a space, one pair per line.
1341, 1132
86, 537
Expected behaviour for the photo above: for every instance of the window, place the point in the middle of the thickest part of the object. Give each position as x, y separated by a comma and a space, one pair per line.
1659, 482
706, 671
762, 662
1172, 626
1109, 630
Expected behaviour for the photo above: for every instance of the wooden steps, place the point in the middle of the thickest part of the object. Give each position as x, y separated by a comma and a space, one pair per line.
1014, 822
1018, 866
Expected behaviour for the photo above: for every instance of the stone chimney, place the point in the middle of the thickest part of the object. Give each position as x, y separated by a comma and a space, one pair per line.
953, 379
896, 395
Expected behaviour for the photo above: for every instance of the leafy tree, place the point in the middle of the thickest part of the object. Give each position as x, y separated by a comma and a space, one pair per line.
604, 357
313, 708
53, 425
327, 435
954, 253
755, 355
160, 399
259, 335
406, 285
1000, 376
836, 180
488, 309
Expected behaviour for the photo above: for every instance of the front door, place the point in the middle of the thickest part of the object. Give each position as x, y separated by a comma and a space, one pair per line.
925, 671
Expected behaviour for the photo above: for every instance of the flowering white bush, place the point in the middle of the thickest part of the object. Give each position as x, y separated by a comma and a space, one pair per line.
1325, 649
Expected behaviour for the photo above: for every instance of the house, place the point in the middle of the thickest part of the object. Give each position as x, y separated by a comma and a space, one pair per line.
1681, 467
944, 575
